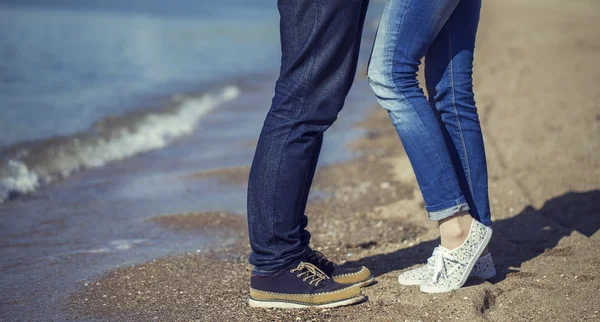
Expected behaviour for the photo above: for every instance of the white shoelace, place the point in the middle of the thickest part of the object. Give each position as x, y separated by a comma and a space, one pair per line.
431, 259
440, 256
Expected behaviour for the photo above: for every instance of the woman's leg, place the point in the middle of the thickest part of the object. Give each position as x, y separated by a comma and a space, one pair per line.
448, 73
407, 30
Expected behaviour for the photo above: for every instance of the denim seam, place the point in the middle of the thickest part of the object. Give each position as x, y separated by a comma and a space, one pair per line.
372, 49
462, 138
309, 77
398, 29
303, 183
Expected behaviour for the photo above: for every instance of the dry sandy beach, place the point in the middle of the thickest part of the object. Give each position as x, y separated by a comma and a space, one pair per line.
537, 82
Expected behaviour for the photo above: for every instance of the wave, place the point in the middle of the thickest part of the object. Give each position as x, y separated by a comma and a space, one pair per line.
26, 166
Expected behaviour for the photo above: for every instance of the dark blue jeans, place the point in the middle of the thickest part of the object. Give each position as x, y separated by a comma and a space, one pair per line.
320, 40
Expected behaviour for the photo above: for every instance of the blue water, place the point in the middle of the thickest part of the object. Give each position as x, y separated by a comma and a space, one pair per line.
67, 64
143, 95
84, 83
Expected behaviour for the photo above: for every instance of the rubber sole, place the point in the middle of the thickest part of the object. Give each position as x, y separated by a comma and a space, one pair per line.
416, 283
297, 305
367, 282
408, 282
463, 280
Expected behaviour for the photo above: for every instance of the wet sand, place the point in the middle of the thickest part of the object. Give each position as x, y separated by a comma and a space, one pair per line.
536, 80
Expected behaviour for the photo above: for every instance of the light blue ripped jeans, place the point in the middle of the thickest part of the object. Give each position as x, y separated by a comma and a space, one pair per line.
442, 137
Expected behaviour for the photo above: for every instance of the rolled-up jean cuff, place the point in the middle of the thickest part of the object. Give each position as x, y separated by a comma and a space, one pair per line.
447, 209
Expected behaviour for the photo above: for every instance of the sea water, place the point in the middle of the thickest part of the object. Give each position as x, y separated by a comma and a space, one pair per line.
83, 83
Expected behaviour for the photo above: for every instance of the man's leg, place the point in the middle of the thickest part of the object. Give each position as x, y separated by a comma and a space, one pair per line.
320, 42
304, 234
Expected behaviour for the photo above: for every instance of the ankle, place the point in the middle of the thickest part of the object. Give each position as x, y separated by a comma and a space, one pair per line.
454, 233
455, 230
453, 241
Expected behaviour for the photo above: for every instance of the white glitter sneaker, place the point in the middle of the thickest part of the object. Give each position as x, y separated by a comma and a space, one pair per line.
452, 267
484, 268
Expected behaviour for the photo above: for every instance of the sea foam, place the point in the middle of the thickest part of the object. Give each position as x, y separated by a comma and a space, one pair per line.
21, 172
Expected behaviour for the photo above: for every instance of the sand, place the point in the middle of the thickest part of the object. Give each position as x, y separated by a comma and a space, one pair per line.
536, 80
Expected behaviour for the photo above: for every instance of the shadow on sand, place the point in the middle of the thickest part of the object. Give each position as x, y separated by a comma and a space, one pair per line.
517, 239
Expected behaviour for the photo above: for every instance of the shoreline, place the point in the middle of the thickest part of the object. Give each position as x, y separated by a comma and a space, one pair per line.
27, 166
97, 220
546, 213
104, 238
81, 227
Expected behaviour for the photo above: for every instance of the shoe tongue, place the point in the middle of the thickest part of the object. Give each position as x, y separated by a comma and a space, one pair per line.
441, 248
311, 268
315, 270
445, 250
320, 258
319, 255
